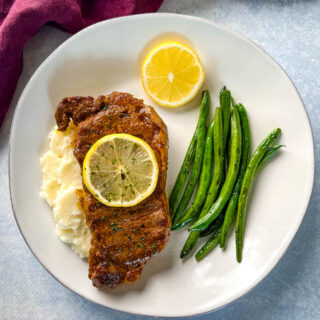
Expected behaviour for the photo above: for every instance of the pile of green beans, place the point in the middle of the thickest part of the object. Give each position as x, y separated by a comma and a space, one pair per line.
198, 157
204, 182
218, 156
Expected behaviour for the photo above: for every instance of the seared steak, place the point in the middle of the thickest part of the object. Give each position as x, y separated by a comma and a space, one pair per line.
123, 239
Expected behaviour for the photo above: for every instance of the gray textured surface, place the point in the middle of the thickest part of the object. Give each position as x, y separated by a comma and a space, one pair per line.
290, 32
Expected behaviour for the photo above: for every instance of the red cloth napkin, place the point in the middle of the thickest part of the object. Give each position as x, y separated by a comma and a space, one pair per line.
21, 19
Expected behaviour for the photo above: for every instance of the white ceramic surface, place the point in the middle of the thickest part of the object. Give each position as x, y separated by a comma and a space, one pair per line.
107, 57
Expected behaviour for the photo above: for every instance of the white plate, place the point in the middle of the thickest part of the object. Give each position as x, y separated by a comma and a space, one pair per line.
107, 57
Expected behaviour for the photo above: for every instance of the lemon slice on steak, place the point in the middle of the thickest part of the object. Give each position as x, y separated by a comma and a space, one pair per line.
120, 170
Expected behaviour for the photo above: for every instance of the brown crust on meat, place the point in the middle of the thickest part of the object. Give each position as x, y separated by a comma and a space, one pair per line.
123, 239
75, 108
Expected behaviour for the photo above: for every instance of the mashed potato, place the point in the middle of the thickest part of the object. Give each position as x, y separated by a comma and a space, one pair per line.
60, 184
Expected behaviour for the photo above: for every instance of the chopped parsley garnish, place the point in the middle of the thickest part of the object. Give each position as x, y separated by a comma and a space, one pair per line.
154, 247
99, 204
114, 227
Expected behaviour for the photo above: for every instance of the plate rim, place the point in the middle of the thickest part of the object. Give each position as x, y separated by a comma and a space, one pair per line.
165, 15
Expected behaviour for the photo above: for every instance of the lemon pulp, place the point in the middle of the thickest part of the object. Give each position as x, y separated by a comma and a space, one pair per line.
172, 74
120, 170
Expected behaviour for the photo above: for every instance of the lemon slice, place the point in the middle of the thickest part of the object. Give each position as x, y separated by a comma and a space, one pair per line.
172, 74
120, 170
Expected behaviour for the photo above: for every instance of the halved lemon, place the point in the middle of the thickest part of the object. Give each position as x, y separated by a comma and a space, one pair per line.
120, 170
172, 74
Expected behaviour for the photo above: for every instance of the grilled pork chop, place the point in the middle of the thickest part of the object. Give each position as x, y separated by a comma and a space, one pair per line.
123, 239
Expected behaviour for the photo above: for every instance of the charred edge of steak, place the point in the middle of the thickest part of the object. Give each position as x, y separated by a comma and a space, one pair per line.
77, 108
80, 108
108, 280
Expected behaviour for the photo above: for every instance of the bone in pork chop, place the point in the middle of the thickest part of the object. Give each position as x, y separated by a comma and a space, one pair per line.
123, 239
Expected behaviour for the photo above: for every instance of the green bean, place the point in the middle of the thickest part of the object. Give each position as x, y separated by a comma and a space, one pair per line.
225, 104
231, 177
189, 244
218, 162
183, 174
204, 182
207, 231
233, 203
268, 155
213, 227
216, 180
246, 185
198, 158
180, 224
228, 152
212, 242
